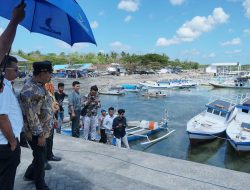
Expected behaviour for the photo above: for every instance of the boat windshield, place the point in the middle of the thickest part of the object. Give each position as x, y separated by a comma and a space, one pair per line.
216, 112
223, 114
210, 110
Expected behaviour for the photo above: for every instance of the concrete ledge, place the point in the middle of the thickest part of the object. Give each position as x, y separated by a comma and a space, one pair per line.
90, 165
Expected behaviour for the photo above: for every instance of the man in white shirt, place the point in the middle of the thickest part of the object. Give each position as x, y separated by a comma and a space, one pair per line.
11, 124
107, 124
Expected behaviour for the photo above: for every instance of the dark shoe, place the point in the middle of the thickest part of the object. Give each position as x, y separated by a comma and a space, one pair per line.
45, 187
55, 158
42, 187
47, 166
25, 178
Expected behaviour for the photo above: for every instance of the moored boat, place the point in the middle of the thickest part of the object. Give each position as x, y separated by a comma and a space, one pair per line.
212, 122
238, 83
113, 91
238, 131
144, 129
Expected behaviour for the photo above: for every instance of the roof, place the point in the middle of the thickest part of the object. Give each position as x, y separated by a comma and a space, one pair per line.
19, 58
60, 67
225, 64
81, 66
221, 105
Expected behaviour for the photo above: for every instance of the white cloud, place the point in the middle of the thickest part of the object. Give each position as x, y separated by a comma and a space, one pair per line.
117, 45
191, 52
1, 30
210, 55
234, 42
177, 2
236, 51
128, 18
94, 24
75, 47
101, 51
246, 5
246, 31
194, 28
129, 5
166, 42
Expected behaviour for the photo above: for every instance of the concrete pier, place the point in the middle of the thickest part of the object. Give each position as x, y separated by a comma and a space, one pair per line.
93, 166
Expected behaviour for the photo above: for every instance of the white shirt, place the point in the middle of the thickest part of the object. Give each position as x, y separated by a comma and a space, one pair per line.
9, 106
108, 122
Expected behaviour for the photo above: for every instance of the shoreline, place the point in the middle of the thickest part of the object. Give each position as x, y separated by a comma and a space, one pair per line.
107, 81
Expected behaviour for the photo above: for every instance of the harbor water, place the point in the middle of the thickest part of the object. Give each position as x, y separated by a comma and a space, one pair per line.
181, 106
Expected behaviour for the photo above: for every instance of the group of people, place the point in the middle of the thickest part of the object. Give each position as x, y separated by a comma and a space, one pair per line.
110, 126
39, 110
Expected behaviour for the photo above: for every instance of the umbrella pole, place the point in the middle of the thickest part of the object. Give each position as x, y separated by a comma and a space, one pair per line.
2, 71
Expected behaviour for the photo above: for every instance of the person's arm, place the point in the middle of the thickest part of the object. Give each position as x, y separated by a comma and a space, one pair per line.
115, 124
5, 125
7, 37
105, 123
71, 106
5, 128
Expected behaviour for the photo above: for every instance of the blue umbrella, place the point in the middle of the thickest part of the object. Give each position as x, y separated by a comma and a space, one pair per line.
61, 19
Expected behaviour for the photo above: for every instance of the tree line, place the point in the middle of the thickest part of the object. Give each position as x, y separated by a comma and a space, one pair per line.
130, 61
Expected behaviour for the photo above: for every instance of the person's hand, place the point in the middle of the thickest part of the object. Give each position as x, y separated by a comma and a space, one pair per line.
13, 145
55, 107
73, 114
55, 126
19, 13
41, 141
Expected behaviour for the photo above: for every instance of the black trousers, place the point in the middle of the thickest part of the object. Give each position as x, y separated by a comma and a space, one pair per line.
36, 168
9, 160
103, 136
49, 146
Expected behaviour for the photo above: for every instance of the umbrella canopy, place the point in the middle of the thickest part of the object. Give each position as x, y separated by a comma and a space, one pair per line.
61, 19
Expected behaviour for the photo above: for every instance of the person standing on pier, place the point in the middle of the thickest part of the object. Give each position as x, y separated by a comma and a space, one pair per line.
91, 104
108, 123
119, 127
11, 124
75, 109
39, 119
60, 95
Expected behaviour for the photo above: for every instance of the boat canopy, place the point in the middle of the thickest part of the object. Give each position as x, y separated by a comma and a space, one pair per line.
221, 105
245, 105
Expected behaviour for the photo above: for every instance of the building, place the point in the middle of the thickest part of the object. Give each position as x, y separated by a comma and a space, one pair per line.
224, 68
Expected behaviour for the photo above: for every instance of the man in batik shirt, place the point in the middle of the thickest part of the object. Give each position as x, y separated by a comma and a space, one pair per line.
39, 119
91, 103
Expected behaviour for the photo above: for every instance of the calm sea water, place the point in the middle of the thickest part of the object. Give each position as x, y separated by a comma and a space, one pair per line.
181, 105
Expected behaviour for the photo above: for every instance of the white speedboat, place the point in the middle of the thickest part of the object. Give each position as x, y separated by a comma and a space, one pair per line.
240, 82
152, 93
212, 122
156, 85
238, 130
113, 91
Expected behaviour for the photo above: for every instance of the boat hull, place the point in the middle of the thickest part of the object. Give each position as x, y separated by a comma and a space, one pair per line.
240, 146
196, 138
215, 85
148, 133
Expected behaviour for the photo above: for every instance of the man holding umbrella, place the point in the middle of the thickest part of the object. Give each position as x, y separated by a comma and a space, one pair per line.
10, 115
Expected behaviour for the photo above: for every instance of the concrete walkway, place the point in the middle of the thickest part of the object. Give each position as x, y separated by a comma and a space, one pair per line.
90, 165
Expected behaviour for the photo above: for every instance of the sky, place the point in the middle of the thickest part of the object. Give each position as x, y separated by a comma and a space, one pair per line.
206, 31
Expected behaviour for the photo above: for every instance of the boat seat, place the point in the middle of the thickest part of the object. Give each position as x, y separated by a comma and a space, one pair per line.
219, 106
